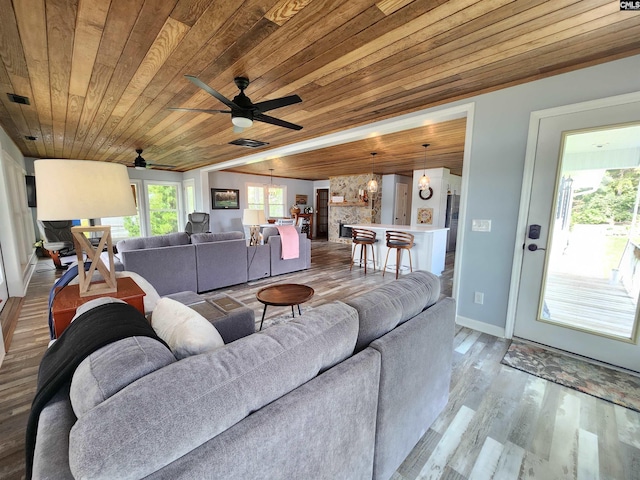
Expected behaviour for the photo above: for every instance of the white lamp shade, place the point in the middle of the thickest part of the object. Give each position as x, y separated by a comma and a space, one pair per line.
75, 189
252, 217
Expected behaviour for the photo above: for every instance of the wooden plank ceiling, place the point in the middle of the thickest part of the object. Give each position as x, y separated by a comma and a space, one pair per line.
101, 74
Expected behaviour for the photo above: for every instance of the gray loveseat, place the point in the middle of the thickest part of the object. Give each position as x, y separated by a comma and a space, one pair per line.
206, 261
343, 392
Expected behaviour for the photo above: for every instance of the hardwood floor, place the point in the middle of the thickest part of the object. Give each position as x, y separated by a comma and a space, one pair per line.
500, 423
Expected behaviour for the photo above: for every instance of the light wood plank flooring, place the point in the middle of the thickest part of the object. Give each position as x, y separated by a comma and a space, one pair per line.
500, 423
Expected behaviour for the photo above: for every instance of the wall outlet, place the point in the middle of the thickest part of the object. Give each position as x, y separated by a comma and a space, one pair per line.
478, 298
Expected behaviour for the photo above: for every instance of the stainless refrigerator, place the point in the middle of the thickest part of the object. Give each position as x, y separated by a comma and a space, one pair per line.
451, 220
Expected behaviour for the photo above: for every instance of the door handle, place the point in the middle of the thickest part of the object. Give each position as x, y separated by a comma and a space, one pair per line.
533, 247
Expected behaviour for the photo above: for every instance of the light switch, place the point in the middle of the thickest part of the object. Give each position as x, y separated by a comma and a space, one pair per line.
480, 225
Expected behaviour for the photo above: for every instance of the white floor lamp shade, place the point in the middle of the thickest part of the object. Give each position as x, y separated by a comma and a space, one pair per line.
82, 189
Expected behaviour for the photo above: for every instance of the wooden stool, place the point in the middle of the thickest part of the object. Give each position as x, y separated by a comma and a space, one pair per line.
363, 237
400, 241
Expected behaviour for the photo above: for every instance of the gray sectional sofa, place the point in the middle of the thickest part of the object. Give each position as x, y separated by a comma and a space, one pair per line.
205, 261
343, 392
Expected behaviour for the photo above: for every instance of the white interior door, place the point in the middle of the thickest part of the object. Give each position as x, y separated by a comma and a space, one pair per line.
4, 291
400, 214
577, 289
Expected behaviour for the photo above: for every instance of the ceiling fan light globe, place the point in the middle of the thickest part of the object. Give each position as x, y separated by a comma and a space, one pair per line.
138, 167
241, 122
424, 183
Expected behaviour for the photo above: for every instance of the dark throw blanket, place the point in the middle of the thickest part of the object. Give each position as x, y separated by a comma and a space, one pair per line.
92, 330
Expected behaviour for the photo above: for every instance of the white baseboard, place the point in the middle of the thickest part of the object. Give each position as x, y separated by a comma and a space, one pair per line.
480, 326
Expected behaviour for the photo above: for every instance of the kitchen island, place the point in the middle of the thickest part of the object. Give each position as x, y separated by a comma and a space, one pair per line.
428, 252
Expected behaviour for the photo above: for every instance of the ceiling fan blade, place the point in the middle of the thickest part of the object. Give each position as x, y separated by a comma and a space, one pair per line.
275, 121
277, 103
203, 110
199, 83
159, 165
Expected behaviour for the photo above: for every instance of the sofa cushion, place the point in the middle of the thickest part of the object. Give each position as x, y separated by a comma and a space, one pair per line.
199, 397
185, 330
112, 367
168, 240
382, 309
216, 237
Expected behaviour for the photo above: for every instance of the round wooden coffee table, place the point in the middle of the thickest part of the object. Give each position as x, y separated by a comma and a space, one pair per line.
284, 295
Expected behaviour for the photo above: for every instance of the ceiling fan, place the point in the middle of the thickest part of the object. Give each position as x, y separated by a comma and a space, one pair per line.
141, 164
243, 111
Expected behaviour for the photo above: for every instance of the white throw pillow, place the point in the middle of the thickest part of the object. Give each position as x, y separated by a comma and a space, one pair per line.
183, 329
151, 296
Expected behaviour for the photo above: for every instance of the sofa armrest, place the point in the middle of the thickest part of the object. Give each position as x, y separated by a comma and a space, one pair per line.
280, 266
51, 455
237, 323
414, 382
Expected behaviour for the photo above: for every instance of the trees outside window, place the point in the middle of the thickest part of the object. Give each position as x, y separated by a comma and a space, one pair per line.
126, 227
163, 208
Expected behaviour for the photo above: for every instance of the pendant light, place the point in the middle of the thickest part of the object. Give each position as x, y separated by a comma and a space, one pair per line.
372, 186
271, 190
424, 182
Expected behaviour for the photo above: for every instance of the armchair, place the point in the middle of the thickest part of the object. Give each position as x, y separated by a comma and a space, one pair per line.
198, 223
57, 240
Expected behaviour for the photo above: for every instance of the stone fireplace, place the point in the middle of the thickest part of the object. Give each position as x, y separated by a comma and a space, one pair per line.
352, 210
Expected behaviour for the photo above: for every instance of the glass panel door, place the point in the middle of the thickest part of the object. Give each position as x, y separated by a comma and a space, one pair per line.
590, 280
577, 288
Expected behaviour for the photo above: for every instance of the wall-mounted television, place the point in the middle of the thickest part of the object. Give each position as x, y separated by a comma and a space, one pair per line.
30, 181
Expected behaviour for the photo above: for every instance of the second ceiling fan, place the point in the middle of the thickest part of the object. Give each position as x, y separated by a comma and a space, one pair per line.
243, 111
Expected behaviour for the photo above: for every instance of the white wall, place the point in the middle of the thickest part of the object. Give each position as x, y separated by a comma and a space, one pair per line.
389, 182
439, 180
228, 220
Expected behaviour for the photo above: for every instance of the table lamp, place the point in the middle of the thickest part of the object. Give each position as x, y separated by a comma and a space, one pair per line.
253, 218
79, 189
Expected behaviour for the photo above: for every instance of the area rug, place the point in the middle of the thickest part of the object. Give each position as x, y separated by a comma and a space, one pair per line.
606, 383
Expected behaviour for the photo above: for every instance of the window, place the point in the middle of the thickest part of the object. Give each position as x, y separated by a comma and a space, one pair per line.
164, 207
189, 191
126, 227
270, 198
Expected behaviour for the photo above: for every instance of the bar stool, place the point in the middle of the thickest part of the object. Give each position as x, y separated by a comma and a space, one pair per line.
400, 241
364, 238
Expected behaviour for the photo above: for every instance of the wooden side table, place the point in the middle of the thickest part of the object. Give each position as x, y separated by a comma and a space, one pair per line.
67, 300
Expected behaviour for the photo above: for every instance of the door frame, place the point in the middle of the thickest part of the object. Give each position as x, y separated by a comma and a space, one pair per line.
405, 201
535, 119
